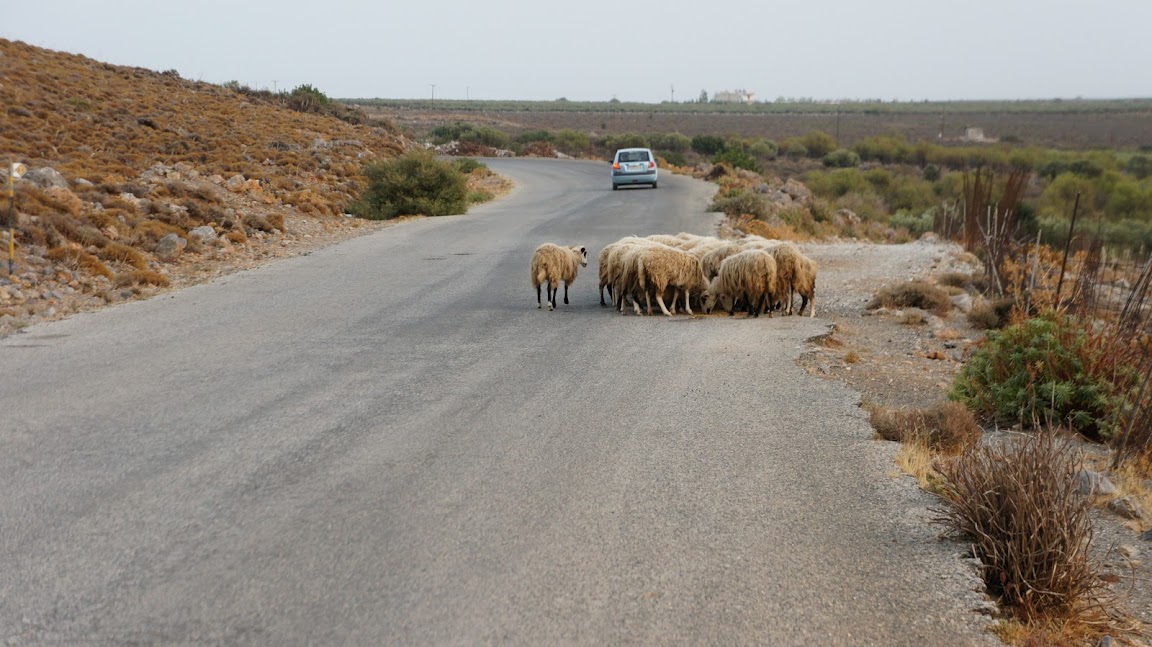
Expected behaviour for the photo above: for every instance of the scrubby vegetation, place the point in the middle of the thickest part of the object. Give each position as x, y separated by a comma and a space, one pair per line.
1031, 529
415, 183
947, 428
1048, 368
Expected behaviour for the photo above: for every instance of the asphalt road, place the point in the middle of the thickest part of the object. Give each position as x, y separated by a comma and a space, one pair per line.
385, 442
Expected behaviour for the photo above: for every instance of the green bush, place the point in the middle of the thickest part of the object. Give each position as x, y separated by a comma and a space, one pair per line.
305, 98
1045, 369
736, 157
535, 136
818, 143
466, 164
764, 149
1139, 166
738, 202
673, 157
572, 142
414, 183
707, 144
916, 225
471, 133
795, 150
841, 158
671, 142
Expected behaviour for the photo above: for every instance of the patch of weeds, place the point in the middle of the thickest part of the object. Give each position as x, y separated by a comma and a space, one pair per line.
913, 294
1017, 503
947, 427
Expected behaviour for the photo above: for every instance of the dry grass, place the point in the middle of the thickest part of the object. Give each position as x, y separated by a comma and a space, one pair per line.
946, 428
140, 277
991, 315
79, 260
851, 357
913, 294
918, 461
956, 280
1031, 530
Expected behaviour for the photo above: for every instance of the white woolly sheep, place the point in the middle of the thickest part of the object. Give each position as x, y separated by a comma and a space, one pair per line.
806, 284
787, 265
750, 276
553, 264
663, 268
715, 254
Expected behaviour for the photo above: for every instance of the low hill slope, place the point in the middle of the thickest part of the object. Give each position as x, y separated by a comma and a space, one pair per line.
135, 175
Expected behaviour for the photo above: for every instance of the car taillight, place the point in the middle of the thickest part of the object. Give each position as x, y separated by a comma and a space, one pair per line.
616, 165
651, 164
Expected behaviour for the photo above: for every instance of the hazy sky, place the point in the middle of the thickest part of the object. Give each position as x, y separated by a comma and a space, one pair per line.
634, 50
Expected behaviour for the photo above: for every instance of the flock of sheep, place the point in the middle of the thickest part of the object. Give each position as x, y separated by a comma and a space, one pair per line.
751, 273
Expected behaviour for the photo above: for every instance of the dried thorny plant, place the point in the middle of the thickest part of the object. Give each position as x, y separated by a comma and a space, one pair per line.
947, 427
1019, 505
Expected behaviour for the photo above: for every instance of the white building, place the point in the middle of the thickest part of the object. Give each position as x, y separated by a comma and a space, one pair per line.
734, 96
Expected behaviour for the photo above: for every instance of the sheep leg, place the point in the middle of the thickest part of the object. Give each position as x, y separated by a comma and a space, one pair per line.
687, 306
648, 302
663, 308
675, 297
602, 295
565, 292
538, 305
551, 297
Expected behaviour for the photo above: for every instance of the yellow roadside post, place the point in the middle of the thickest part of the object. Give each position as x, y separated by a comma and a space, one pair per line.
16, 170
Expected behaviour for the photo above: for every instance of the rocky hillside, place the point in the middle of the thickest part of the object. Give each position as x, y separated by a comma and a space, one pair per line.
135, 176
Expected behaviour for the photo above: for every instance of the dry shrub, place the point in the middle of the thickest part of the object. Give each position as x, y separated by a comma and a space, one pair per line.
73, 230
117, 253
991, 315
913, 317
236, 236
773, 232
851, 357
956, 280
140, 277
151, 231
947, 427
1030, 528
277, 221
913, 294
77, 259
258, 222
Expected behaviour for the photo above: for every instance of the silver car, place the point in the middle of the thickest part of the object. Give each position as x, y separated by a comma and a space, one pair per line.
634, 166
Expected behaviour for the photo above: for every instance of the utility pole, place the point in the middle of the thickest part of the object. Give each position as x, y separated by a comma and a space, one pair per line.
433, 94
275, 89
673, 93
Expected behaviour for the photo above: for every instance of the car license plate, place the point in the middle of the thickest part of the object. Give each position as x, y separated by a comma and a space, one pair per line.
635, 167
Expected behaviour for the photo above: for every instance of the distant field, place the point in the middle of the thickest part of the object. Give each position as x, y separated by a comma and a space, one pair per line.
1054, 123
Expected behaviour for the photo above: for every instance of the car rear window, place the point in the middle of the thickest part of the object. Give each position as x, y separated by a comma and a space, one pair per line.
634, 156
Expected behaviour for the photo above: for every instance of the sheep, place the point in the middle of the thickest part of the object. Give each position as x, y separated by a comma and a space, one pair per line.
661, 268
749, 275
806, 284
627, 276
787, 264
553, 263
664, 239
608, 265
715, 254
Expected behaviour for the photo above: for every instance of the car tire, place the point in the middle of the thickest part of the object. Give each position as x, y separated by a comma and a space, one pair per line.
615, 187
653, 185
